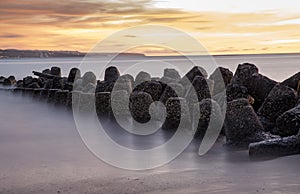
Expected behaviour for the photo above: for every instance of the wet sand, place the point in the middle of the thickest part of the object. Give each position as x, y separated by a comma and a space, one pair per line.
42, 152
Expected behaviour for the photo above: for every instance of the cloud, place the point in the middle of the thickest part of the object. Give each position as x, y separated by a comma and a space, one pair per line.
80, 24
130, 36
7, 35
86, 14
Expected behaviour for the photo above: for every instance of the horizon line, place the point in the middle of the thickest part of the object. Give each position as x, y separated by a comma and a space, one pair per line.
147, 55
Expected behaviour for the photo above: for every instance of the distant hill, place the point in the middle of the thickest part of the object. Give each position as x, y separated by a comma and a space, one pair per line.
14, 53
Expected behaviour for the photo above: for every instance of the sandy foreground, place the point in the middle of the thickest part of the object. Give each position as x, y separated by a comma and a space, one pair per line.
42, 152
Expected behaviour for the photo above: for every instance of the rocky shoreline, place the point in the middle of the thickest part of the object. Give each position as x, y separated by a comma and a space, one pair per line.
259, 114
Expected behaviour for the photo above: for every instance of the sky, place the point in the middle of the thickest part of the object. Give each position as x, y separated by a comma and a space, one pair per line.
221, 26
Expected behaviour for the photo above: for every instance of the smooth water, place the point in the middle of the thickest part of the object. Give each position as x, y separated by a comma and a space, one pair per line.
277, 67
42, 152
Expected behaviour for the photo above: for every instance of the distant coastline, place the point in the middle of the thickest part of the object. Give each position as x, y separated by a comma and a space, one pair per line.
18, 54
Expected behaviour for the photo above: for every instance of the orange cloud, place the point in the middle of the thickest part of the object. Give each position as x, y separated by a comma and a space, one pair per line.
78, 25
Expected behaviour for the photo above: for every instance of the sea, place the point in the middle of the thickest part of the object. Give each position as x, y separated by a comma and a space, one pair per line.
275, 66
41, 150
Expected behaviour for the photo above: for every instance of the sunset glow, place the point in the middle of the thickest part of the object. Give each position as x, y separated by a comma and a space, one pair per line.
223, 27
